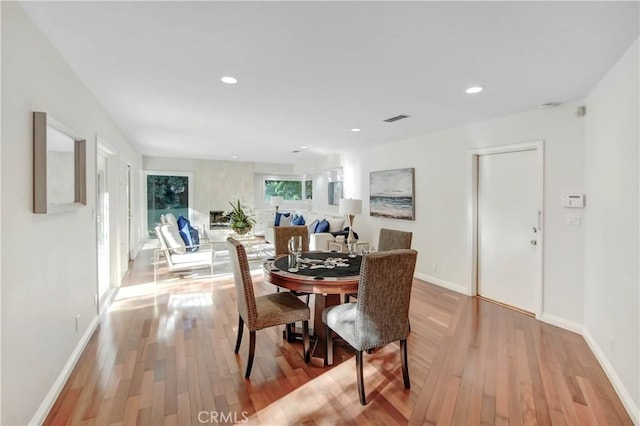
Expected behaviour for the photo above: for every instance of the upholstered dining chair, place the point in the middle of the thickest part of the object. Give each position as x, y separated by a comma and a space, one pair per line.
381, 313
390, 239
282, 234
265, 311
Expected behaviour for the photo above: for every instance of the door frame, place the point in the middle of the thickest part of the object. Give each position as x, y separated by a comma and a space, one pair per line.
191, 183
105, 149
472, 197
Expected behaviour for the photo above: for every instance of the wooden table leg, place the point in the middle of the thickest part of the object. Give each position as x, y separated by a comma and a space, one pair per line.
320, 329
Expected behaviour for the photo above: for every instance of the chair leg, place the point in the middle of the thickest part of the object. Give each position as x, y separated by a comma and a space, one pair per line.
363, 398
290, 332
328, 348
405, 363
240, 330
252, 350
156, 259
305, 341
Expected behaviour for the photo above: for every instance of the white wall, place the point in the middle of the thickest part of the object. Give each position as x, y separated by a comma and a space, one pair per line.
49, 261
442, 183
612, 277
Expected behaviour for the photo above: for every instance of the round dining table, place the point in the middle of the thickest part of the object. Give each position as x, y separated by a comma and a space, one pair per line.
327, 275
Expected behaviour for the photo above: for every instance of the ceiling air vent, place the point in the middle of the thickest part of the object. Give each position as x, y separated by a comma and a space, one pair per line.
396, 118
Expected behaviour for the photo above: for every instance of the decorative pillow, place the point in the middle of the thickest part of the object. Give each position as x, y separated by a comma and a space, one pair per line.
298, 219
322, 226
282, 218
188, 233
174, 240
344, 233
312, 226
336, 225
195, 237
183, 227
170, 219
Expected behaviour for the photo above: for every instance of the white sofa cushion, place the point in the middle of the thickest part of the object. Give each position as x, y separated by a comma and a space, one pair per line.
335, 224
192, 257
173, 239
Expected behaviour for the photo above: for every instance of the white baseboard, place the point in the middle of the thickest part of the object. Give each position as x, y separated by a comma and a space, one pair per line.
618, 386
621, 390
43, 410
442, 283
562, 323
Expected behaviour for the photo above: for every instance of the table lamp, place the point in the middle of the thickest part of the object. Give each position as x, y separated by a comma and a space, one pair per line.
276, 201
351, 208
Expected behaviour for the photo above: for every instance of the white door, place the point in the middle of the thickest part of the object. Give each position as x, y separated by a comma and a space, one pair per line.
508, 206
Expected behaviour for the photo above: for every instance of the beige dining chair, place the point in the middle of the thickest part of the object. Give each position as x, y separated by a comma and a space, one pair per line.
380, 315
282, 234
265, 311
390, 239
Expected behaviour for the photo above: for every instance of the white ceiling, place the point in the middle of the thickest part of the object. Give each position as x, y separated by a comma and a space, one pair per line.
310, 71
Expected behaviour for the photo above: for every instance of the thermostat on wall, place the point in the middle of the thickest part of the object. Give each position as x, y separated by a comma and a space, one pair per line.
573, 200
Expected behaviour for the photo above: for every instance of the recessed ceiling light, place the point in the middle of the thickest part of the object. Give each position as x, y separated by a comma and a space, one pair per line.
356, 130
303, 147
234, 156
229, 80
474, 89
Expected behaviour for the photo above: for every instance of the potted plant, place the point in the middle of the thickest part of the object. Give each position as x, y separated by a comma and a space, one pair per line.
240, 219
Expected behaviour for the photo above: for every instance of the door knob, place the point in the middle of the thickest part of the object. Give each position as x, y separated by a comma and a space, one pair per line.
534, 242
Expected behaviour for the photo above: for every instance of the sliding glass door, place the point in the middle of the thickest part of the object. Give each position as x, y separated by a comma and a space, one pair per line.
166, 193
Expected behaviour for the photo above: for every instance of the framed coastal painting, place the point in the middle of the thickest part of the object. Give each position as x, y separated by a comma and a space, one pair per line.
335, 193
392, 194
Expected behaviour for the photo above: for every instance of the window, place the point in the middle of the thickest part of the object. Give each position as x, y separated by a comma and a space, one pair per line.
166, 194
291, 189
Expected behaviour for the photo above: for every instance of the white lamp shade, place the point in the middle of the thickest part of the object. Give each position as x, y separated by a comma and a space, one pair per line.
276, 201
350, 206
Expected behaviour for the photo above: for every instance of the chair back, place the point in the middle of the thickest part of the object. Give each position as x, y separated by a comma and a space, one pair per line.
391, 239
281, 235
244, 285
384, 293
163, 245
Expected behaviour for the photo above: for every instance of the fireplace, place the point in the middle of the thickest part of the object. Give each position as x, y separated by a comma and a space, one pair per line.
217, 219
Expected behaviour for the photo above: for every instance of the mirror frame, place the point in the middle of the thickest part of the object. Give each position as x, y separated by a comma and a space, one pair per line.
40, 204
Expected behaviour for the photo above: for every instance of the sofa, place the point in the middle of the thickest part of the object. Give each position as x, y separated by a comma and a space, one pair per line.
317, 240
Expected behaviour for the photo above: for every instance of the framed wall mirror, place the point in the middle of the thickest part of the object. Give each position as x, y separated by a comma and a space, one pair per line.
59, 166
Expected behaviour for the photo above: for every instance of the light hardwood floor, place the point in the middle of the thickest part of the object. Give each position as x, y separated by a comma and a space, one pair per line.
164, 356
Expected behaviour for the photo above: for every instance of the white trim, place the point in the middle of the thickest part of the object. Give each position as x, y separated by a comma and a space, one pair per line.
563, 323
458, 288
472, 216
43, 410
618, 386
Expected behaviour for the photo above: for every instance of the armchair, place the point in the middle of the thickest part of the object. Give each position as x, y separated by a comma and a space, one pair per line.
185, 261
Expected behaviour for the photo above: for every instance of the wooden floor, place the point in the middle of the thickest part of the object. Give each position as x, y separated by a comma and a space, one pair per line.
164, 356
